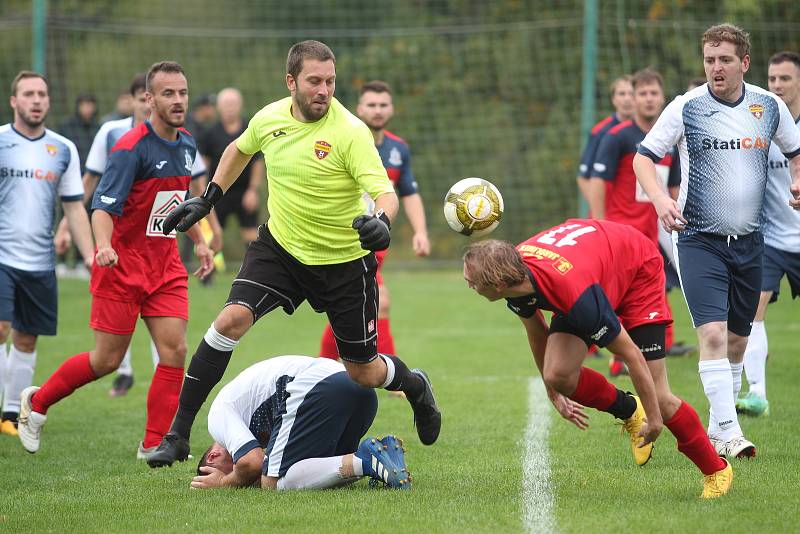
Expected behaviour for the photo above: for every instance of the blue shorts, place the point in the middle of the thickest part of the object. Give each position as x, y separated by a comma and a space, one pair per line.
29, 300
330, 421
776, 264
721, 278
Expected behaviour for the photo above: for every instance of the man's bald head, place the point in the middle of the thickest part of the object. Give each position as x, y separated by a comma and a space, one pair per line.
229, 104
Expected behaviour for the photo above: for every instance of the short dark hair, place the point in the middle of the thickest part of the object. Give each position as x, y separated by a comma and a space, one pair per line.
138, 83
728, 33
613, 87
303, 50
782, 57
21, 75
375, 86
162, 66
697, 82
204, 460
646, 77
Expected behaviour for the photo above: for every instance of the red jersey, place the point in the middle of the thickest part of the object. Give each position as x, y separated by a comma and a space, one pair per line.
589, 272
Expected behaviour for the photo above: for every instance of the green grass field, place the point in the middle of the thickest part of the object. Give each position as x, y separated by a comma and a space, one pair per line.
85, 477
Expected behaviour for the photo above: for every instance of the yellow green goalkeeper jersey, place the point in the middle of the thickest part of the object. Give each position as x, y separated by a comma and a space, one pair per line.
317, 173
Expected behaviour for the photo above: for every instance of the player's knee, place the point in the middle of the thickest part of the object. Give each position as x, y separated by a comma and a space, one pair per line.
23, 342
234, 321
5, 329
714, 338
559, 380
174, 355
367, 375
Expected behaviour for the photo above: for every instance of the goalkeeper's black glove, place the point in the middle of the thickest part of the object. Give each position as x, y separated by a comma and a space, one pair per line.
373, 231
190, 211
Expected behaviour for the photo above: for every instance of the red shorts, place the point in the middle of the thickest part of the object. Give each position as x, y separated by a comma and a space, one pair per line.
380, 255
645, 302
119, 317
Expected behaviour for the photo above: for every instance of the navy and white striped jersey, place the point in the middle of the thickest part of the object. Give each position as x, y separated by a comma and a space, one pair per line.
243, 414
723, 150
781, 227
33, 172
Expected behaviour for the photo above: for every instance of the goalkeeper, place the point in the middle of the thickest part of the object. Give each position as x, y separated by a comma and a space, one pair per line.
317, 245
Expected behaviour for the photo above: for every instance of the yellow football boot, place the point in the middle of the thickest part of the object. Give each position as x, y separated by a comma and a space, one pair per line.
717, 484
8, 428
632, 426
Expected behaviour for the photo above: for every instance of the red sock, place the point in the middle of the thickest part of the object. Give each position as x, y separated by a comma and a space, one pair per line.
385, 339
594, 390
162, 402
693, 442
73, 373
327, 347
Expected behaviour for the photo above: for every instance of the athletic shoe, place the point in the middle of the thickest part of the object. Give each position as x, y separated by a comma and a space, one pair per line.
7, 427
616, 368
427, 417
122, 384
30, 423
717, 484
753, 405
738, 447
633, 425
172, 448
143, 453
681, 349
383, 461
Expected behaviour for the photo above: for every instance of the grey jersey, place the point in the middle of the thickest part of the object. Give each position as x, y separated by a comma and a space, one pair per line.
33, 173
781, 225
723, 148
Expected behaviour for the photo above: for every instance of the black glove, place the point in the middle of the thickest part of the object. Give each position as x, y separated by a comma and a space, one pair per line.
190, 211
373, 231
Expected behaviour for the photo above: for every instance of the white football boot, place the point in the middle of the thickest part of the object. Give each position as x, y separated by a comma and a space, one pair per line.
30, 422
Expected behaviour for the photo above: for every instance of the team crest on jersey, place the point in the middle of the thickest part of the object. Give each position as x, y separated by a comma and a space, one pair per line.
757, 110
395, 158
189, 160
322, 149
52, 150
165, 202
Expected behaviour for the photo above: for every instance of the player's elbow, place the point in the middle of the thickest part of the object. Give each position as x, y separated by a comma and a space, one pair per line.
248, 469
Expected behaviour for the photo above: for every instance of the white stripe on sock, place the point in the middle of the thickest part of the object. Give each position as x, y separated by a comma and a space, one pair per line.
537, 489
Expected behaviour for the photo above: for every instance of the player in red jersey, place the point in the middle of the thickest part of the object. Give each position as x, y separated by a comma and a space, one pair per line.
616, 300
376, 109
137, 270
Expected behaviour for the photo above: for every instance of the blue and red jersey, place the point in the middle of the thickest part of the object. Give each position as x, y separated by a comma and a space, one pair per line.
146, 178
396, 159
595, 136
590, 272
626, 201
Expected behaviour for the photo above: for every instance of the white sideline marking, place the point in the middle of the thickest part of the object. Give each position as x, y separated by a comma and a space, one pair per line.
537, 491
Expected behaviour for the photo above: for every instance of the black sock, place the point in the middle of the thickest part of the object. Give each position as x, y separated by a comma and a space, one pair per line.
204, 372
404, 380
10, 416
623, 407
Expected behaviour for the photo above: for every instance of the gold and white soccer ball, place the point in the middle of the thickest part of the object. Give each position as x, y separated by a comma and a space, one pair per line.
473, 206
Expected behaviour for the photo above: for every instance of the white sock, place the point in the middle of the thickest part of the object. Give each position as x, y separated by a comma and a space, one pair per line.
736, 372
755, 359
3, 358
718, 386
154, 354
315, 473
19, 375
389, 371
125, 368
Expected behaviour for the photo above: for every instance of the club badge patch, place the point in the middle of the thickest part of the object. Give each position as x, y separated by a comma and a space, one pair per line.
322, 149
757, 110
52, 150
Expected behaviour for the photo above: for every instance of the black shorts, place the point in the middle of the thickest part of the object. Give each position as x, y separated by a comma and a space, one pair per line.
29, 300
231, 204
650, 338
271, 277
778, 263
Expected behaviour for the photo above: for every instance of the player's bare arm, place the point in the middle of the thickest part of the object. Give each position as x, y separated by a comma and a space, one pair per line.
75, 214
624, 347
667, 209
251, 198
596, 197
246, 472
103, 227
794, 168
415, 211
202, 251
63, 237
388, 203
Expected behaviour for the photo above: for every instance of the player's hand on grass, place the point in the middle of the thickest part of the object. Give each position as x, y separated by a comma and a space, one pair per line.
669, 213
650, 432
420, 244
206, 257
373, 231
106, 256
570, 410
211, 478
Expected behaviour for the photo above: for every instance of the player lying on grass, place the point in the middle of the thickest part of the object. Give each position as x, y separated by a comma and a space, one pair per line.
294, 422
604, 283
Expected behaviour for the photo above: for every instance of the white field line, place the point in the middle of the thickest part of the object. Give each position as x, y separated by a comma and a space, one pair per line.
537, 491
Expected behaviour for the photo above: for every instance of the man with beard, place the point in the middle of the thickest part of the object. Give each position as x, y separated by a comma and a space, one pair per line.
36, 167
376, 109
137, 270
318, 245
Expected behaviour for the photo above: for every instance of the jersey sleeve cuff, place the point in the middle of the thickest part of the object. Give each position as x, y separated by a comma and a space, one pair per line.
71, 198
790, 155
644, 151
244, 449
94, 172
111, 211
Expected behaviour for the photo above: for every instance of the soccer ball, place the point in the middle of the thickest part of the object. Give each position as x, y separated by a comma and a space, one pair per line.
473, 206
